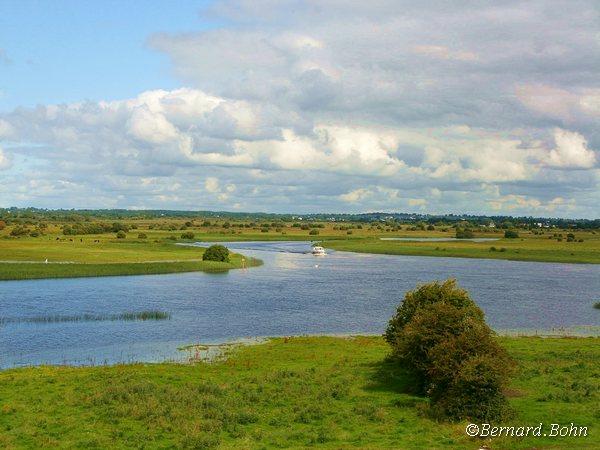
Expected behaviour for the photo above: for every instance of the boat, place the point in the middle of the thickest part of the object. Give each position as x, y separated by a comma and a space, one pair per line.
318, 251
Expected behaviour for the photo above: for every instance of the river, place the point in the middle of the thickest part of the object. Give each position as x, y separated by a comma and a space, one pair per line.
293, 293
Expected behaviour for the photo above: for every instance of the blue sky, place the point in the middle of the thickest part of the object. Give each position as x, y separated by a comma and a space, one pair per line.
71, 51
286, 106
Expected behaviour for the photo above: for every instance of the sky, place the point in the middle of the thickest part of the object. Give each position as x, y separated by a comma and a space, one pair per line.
287, 106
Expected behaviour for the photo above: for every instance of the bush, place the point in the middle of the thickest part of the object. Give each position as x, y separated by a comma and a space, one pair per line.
121, 235
313, 232
187, 235
440, 335
216, 252
464, 234
511, 234
142, 236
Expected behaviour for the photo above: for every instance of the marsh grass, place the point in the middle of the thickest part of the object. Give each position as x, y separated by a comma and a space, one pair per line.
128, 316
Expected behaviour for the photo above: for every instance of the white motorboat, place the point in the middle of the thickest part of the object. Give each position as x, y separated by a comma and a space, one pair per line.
318, 251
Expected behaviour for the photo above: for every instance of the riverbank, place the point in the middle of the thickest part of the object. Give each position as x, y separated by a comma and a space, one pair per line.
298, 392
528, 248
26, 259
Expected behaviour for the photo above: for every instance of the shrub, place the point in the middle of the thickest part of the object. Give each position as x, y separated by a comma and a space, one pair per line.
440, 334
597, 305
142, 236
216, 252
19, 231
2, 224
511, 234
187, 235
121, 235
313, 232
464, 234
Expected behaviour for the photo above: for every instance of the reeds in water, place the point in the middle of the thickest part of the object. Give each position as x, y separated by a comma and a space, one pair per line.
143, 315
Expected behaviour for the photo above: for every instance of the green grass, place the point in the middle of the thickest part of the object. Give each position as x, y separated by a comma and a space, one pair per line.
18, 271
288, 393
528, 248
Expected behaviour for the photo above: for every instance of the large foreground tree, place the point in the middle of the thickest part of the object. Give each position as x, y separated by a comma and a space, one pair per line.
440, 334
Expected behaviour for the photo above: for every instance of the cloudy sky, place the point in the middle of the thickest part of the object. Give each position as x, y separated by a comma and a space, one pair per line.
473, 106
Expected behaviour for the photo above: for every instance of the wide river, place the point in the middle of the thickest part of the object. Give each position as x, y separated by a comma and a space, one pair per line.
293, 293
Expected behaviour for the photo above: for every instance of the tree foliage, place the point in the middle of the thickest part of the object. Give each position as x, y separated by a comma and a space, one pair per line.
216, 252
440, 334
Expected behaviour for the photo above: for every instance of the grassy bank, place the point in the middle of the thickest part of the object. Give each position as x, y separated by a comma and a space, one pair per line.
21, 271
528, 248
23, 259
289, 393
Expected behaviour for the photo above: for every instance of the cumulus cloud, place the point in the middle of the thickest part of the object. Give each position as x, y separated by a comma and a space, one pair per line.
571, 151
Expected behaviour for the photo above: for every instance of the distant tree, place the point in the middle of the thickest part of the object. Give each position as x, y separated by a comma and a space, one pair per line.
142, 236
430, 228
511, 234
121, 235
313, 232
464, 233
216, 252
439, 334
187, 235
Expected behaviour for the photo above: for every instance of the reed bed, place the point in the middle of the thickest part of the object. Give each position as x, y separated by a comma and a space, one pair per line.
143, 315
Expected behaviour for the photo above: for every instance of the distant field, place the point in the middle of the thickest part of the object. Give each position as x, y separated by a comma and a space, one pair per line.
528, 247
149, 245
302, 392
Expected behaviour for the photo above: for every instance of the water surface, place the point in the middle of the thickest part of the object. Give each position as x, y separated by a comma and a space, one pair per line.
292, 293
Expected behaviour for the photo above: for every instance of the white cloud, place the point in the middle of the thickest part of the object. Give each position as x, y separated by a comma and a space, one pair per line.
5, 160
571, 151
212, 185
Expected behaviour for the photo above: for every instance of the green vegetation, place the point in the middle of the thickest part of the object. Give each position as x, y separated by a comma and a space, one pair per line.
529, 247
440, 335
143, 315
319, 392
511, 234
597, 305
216, 252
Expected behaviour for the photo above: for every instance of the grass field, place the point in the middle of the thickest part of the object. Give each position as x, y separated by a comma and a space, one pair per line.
288, 393
528, 248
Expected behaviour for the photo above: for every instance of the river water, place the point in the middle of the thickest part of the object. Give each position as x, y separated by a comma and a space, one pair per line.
292, 293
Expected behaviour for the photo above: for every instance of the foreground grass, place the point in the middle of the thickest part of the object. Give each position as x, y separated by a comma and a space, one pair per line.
289, 393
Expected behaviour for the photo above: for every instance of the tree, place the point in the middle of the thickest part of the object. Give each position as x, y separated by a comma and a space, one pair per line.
187, 235
216, 252
464, 234
440, 335
121, 235
511, 234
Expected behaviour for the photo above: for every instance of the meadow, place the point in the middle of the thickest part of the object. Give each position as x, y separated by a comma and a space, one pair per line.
297, 392
148, 246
